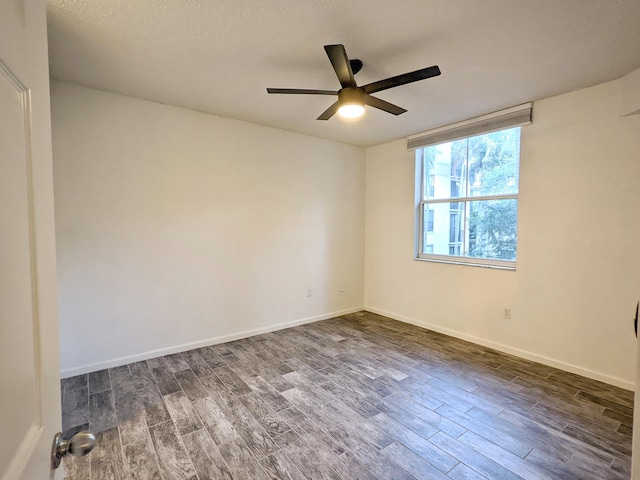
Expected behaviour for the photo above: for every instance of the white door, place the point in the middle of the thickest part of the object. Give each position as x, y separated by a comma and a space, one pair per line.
29, 364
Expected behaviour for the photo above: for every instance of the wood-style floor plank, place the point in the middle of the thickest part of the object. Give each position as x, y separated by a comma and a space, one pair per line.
75, 406
350, 468
462, 472
197, 364
132, 422
140, 461
210, 356
278, 466
72, 383
173, 460
264, 415
165, 380
76, 467
304, 427
240, 461
473, 458
182, 413
495, 452
102, 413
176, 363
412, 462
206, 457
312, 410
513, 444
155, 410
213, 417
429, 452
106, 457
369, 455
99, 381
309, 461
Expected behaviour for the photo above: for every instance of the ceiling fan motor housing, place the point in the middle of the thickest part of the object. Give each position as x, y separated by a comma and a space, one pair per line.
351, 96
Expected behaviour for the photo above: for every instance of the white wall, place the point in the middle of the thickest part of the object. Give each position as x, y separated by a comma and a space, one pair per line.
630, 97
177, 228
577, 281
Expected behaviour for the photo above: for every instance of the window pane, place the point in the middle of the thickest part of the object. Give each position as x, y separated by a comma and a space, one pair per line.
443, 228
445, 170
494, 160
492, 227
454, 227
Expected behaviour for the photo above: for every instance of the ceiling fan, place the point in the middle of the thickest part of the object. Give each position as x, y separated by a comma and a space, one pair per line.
351, 97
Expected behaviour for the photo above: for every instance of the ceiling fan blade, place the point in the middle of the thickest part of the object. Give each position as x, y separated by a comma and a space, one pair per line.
382, 105
398, 80
301, 91
329, 112
338, 57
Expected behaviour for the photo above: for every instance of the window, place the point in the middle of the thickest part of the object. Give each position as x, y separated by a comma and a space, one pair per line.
432, 185
473, 214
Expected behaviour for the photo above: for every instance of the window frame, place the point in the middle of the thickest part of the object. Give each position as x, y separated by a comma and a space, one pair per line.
422, 203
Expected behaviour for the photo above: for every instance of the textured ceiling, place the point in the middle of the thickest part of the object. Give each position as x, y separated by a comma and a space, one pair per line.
218, 56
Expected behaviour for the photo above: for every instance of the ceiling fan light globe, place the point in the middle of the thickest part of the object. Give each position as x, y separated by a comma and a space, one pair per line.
351, 110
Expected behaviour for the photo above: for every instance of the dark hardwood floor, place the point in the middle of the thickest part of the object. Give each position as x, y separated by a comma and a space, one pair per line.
356, 397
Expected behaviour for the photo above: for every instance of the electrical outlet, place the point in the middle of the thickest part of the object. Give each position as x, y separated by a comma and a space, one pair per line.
507, 314
308, 292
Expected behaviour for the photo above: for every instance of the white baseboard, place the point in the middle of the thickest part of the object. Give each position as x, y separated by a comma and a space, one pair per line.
618, 382
116, 362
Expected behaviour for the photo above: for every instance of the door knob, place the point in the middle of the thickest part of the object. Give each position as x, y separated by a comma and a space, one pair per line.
79, 445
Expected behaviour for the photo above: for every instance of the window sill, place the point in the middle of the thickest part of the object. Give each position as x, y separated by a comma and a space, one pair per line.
510, 266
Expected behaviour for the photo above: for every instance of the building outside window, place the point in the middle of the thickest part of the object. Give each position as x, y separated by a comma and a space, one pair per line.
432, 185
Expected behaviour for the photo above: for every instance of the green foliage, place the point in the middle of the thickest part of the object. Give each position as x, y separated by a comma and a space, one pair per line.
493, 169
492, 229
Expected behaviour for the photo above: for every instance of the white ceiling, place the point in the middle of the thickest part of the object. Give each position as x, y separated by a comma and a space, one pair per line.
218, 56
